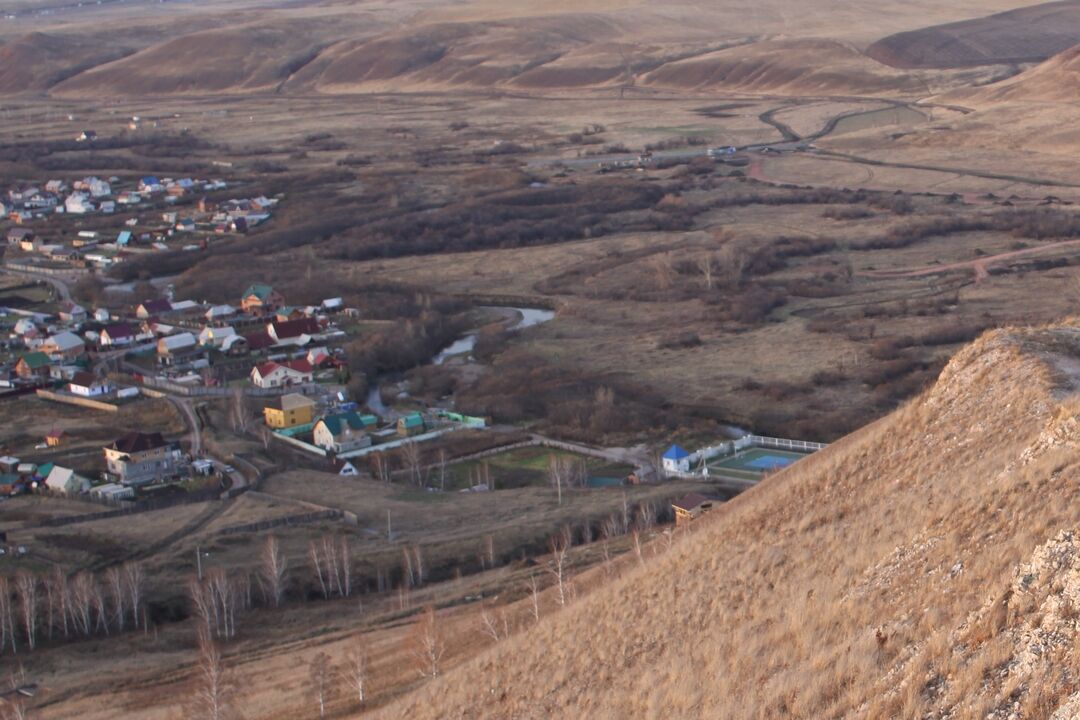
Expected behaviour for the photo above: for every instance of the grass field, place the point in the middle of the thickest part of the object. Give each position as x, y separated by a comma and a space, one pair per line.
527, 467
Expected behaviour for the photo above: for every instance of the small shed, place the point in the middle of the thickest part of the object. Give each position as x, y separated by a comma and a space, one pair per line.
690, 507
411, 424
55, 438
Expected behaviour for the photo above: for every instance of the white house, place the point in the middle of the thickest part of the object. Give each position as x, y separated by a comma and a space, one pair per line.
219, 312
78, 204
88, 384
215, 336
272, 374
101, 315
118, 335
172, 345
66, 480
676, 460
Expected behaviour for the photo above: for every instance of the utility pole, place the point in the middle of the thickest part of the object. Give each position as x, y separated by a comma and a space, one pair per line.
198, 561
389, 537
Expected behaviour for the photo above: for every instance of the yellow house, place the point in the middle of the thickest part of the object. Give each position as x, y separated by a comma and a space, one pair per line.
289, 411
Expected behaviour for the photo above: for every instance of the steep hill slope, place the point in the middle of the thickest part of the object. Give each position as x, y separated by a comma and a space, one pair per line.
36, 61
925, 566
1018, 36
1056, 80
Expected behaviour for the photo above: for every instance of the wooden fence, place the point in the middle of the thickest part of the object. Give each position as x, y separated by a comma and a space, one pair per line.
78, 400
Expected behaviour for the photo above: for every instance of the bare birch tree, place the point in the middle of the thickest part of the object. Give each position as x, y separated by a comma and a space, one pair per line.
7, 616
356, 670
114, 582
428, 644
534, 592
317, 565
211, 692
26, 587
135, 581
557, 566
412, 456
319, 673
494, 623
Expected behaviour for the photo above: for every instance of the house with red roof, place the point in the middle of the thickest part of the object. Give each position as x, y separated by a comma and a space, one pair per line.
273, 374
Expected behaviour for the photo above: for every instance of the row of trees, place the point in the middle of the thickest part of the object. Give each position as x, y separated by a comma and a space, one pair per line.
36, 607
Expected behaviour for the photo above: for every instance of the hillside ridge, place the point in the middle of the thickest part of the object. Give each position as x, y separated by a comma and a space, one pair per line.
887, 576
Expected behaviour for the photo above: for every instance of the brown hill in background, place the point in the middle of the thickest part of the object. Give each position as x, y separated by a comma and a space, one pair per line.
1056, 80
37, 61
234, 59
926, 566
797, 67
1018, 36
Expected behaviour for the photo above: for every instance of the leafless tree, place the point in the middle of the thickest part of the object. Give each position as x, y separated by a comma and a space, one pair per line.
319, 672
135, 580
82, 600
428, 644
663, 270
418, 565
706, 264
356, 669
412, 456
494, 623
442, 468
114, 582
345, 560
99, 605
381, 466
636, 535
557, 566
212, 693
26, 587
317, 565
224, 597
200, 605
559, 470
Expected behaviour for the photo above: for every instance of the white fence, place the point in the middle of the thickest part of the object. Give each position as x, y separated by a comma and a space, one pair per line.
746, 441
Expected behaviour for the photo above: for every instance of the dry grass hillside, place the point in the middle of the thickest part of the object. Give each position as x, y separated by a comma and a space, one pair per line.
206, 47
36, 61
1025, 35
926, 566
1055, 81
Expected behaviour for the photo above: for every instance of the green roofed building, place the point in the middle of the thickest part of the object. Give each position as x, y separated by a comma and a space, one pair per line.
260, 299
32, 365
410, 424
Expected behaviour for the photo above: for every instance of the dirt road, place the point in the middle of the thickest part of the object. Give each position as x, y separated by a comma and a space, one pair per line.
980, 266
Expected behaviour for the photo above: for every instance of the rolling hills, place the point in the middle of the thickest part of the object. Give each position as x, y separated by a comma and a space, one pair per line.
1025, 35
1055, 81
927, 565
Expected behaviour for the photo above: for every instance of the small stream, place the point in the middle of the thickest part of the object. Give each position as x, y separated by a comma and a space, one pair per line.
529, 317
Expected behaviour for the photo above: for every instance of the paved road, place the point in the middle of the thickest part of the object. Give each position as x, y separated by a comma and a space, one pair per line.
63, 291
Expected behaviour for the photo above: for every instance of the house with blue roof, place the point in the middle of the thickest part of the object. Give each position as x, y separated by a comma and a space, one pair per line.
676, 460
123, 238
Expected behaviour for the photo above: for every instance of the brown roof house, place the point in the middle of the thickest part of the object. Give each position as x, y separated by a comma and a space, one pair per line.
141, 458
690, 507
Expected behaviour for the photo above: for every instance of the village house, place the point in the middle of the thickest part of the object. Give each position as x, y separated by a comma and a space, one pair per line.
118, 335
219, 312
66, 480
78, 204
86, 136
294, 332
690, 507
153, 308
87, 384
26, 329
272, 374
676, 460
64, 345
173, 347
343, 432
33, 365
15, 236
72, 313
411, 424
139, 458
261, 299
215, 336
55, 438
289, 411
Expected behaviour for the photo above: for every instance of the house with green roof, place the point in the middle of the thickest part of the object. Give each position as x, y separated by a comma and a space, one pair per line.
343, 432
411, 424
260, 299
33, 365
